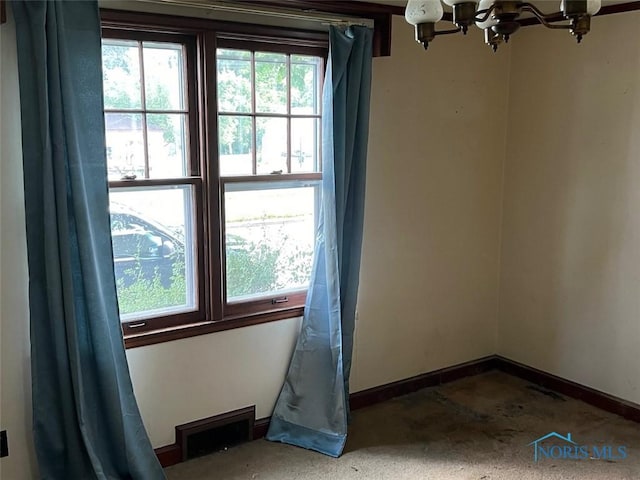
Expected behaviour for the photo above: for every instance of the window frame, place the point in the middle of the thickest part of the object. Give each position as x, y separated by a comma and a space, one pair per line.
281, 300
202, 38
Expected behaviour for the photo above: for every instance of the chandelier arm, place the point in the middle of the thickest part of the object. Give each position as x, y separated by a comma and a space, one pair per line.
562, 26
485, 14
544, 18
447, 32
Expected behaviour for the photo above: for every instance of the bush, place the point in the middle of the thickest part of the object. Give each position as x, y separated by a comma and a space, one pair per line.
253, 269
144, 294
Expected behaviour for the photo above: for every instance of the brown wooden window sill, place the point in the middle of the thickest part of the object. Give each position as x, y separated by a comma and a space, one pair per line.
152, 337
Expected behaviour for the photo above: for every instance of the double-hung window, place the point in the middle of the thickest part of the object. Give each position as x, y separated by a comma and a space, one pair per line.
213, 157
269, 158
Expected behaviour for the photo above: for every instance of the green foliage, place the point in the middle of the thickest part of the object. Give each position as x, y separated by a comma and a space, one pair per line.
112, 58
120, 82
122, 90
149, 294
253, 269
235, 135
301, 81
295, 268
262, 267
234, 93
271, 85
158, 99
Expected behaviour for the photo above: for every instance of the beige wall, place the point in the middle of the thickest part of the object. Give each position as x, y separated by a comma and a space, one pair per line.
430, 266
428, 296
15, 399
570, 277
429, 283
177, 382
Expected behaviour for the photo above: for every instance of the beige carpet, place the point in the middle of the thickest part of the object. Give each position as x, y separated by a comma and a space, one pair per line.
476, 428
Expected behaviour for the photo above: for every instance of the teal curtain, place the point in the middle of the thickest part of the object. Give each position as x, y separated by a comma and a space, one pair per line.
86, 422
313, 407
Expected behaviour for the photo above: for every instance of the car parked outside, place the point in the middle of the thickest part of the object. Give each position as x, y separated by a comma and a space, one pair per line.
143, 248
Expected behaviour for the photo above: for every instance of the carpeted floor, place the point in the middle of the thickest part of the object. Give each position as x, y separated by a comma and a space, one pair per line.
477, 428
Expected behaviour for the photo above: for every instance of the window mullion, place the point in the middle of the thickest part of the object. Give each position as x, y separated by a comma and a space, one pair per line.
211, 282
143, 110
254, 133
143, 102
288, 67
320, 97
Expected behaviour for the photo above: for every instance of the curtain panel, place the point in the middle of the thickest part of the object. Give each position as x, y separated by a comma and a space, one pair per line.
313, 407
86, 421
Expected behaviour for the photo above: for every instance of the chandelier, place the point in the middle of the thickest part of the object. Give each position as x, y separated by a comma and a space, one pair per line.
498, 18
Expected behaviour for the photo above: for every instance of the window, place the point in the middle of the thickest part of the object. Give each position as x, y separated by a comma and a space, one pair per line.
214, 192
269, 151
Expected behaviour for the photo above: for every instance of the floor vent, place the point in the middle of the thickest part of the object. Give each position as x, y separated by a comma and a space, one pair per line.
215, 433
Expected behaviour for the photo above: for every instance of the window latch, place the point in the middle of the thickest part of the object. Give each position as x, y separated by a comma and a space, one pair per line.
279, 300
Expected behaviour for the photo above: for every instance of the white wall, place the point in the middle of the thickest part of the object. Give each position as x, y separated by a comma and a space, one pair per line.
15, 399
570, 277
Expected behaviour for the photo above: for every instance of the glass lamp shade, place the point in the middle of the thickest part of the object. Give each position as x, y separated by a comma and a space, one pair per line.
451, 3
423, 11
593, 6
489, 22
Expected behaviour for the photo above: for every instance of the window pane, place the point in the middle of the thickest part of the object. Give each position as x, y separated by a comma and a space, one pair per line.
163, 76
121, 74
152, 235
271, 83
234, 81
234, 144
167, 144
233, 54
305, 141
271, 145
270, 232
125, 145
305, 85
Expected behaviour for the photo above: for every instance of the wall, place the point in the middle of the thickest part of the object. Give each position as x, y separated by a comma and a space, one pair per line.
430, 262
428, 296
15, 399
570, 273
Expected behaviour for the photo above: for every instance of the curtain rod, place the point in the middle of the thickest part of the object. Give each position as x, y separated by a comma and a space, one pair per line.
267, 12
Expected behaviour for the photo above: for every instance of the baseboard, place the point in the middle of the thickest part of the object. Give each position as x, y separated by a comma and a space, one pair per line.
169, 454
604, 401
260, 427
391, 390
172, 454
